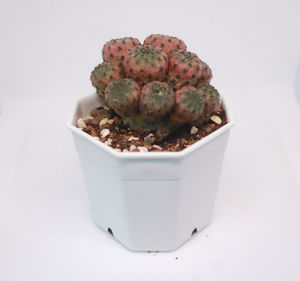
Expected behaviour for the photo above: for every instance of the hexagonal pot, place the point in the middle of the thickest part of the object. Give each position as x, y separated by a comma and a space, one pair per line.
150, 201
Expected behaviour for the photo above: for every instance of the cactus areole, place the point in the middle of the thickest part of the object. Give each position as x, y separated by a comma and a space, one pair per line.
156, 87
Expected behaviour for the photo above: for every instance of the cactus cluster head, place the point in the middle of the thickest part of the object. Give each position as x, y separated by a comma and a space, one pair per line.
189, 105
116, 49
123, 96
165, 42
157, 86
206, 74
145, 64
212, 100
103, 74
185, 69
156, 100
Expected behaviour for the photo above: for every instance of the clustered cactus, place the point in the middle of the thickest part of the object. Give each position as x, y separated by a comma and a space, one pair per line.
102, 75
114, 51
156, 100
157, 86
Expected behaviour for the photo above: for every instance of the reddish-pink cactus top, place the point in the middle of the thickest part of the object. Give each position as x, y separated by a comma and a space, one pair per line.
185, 69
145, 64
116, 49
165, 42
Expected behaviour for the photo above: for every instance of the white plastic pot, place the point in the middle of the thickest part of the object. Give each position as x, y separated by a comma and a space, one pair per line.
150, 201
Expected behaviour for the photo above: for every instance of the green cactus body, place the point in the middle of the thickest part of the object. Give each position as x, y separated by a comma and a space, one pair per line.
212, 102
116, 49
102, 75
185, 69
123, 97
165, 42
189, 105
145, 64
156, 100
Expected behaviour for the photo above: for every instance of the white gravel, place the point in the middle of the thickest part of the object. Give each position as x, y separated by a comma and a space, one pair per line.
194, 130
104, 133
80, 123
142, 149
103, 121
216, 119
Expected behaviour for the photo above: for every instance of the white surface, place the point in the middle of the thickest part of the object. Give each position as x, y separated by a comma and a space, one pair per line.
150, 201
48, 49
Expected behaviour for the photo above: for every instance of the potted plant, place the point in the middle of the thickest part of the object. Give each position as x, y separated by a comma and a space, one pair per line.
151, 145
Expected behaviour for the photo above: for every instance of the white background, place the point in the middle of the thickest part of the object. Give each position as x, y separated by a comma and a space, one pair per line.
47, 51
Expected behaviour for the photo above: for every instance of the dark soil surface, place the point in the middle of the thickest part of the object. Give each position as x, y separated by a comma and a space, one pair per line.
107, 127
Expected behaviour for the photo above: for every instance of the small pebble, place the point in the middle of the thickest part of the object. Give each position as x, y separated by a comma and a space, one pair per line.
108, 141
157, 146
110, 121
80, 123
194, 130
89, 117
132, 138
118, 149
132, 147
216, 119
103, 121
104, 133
96, 138
125, 150
142, 149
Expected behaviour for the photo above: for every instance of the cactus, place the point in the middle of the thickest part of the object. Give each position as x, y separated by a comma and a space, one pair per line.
206, 74
155, 88
166, 43
212, 102
102, 75
185, 69
123, 96
189, 105
116, 49
156, 100
145, 64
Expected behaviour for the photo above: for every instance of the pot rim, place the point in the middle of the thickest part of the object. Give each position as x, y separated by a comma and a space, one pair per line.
151, 155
